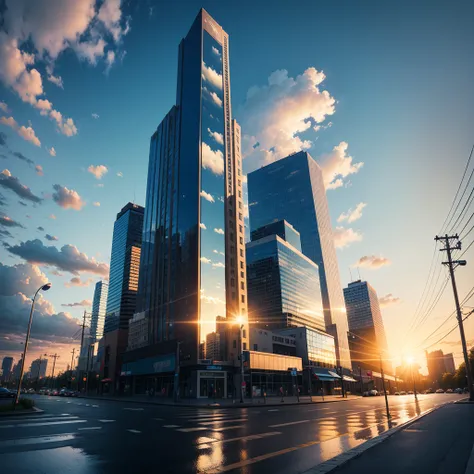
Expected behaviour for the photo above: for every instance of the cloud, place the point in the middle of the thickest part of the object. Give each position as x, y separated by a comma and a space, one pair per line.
52, 216
205, 260
23, 203
280, 112
211, 76
4, 107
216, 51
96, 203
373, 262
109, 61
203, 226
82, 303
344, 237
212, 160
22, 157
68, 258
76, 281
67, 198
352, 215
95, 116
6, 221
47, 28
218, 265
217, 100
337, 165
211, 299
65, 126
27, 133
206, 196
120, 174
39, 170
388, 300
98, 171
7, 180
3, 141
218, 137
40, 228
219, 231
5, 233
52, 151
22, 277
50, 237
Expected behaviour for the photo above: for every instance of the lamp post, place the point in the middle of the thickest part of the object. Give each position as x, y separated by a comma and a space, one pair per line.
44, 288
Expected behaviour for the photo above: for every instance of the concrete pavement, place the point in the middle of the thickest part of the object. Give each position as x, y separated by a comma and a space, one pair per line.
90, 436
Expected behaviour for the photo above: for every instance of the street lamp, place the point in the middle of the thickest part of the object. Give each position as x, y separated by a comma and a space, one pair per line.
240, 321
411, 361
44, 288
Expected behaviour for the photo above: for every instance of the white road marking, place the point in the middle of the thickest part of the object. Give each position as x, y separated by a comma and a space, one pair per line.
106, 421
95, 406
171, 426
274, 409
190, 430
237, 420
134, 431
39, 418
37, 440
245, 438
134, 409
90, 428
288, 424
226, 428
87, 405
29, 425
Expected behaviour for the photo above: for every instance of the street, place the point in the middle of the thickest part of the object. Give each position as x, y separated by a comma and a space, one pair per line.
79, 435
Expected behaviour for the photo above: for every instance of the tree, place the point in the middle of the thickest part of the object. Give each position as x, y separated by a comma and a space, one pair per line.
447, 381
460, 378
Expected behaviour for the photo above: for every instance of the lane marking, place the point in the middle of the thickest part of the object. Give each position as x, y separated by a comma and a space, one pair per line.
274, 409
37, 440
87, 405
236, 420
288, 424
171, 426
134, 431
226, 428
39, 418
106, 421
134, 409
29, 425
95, 406
90, 428
243, 438
190, 430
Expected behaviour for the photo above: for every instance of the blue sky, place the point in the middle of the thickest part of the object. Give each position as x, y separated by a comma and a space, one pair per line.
400, 78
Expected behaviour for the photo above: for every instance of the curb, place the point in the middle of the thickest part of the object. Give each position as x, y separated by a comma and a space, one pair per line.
341, 459
217, 407
33, 411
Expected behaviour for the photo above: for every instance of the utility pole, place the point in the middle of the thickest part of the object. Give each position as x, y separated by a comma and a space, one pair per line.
72, 365
81, 350
54, 357
450, 263
176, 372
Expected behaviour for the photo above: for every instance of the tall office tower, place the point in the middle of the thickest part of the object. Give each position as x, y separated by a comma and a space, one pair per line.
293, 189
124, 267
367, 335
193, 260
38, 368
7, 365
449, 364
438, 364
213, 346
99, 305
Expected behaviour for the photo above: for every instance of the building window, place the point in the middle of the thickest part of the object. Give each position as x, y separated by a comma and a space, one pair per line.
232, 282
242, 275
240, 204
240, 216
245, 346
241, 264
241, 239
241, 252
244, 333
240, 193
241, 229
255, 347
233, 295
240, 183
234, 344
243, 299
242, 286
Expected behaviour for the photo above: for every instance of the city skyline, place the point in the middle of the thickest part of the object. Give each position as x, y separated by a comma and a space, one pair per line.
79, 173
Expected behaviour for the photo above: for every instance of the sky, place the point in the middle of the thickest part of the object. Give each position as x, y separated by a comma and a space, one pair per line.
379, 93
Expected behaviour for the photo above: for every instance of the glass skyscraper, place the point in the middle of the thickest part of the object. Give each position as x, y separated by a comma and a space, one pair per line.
192, 267
99, 306
367, 335
124, 267
283, 284
293, 189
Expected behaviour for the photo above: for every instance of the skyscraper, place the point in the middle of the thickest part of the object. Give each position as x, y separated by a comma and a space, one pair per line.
367, 334
38, 368
7, 365
124, 267
99, 305
293, 189
193, 259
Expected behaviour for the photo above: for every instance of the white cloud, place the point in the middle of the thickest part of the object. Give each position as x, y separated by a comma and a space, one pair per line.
52, 151
109, 61
218, 137
218, 265
67, 198
211, 76
279, 112
352, 215
219, 231
96, 203
27, 133
4, 107
65, 126
207, 196
211, 299
337, 165
98, 171
388, 300
120, 174
52, 216
212, 160
217, 100
344, 237
57, 80
39, 170
203, 226
205, 260
216, 51
373, 262
95, 116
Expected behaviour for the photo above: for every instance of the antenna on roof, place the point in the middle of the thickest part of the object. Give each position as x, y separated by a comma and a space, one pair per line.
358, 271
350, 273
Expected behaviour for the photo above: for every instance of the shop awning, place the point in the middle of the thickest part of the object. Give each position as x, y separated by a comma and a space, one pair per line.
333, 374
348, 379
324, 377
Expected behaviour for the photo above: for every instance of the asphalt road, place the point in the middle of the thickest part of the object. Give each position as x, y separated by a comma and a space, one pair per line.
95, 436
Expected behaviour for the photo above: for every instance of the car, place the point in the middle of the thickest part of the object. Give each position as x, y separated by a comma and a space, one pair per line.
450, 390
430, 390
403, 392
5, 393
31, 391
397, 393
440, 390
458, 390
373, 393
410, 392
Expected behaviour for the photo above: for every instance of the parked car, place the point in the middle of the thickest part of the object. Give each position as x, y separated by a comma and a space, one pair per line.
373, 393
5, 393
397, 393
410, 392
403, 392
450, 390
31, 391
458, 390
430, 390
440, 390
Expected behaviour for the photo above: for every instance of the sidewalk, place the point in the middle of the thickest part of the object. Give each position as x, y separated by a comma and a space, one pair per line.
226, 403
441, 442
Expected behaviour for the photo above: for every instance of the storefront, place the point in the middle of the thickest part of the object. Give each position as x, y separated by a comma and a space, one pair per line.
212, 384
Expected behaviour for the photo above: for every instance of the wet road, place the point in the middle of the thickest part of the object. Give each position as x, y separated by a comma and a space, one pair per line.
94, 436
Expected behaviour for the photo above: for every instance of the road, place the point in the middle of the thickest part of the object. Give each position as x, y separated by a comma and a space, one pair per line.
77, 435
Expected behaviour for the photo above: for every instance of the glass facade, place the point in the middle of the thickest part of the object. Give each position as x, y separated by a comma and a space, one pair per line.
293, 189
99, 306
283, 286
124, 267
281, 228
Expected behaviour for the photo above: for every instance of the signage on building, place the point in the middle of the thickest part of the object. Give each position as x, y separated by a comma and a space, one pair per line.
214, 367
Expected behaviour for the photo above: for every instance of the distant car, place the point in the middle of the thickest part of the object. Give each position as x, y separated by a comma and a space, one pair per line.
403, 392
430, 390
440, 390
458, 390
397, 393
373, 393
365, 394
450, 390
5, 393
410, 392
54, 392
31, 391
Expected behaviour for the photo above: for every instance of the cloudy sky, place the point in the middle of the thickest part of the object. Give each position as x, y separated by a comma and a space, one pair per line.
380, 93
